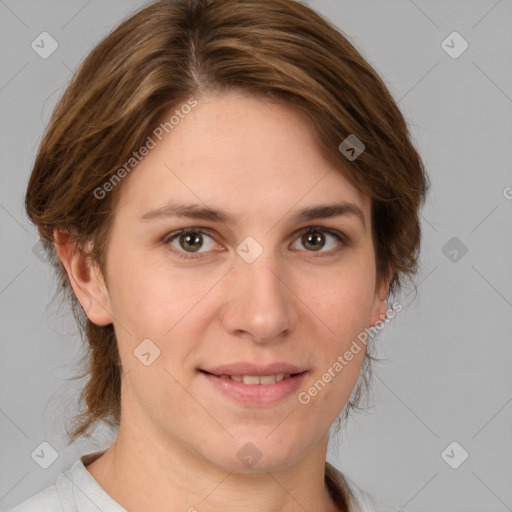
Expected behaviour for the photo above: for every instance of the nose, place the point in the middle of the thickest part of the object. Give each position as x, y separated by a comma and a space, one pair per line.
260, 303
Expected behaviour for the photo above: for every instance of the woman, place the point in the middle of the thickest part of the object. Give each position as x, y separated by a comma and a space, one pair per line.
230, 196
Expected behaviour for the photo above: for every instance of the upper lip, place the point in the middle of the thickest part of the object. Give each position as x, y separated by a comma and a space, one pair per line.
253, 369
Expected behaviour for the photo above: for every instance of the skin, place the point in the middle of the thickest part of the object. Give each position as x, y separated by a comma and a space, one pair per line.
179, 436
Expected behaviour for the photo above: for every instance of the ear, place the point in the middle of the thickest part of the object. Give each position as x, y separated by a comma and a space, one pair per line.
380, 306
85, 278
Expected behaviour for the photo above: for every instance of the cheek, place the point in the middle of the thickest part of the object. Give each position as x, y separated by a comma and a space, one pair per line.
342, 299
150, 299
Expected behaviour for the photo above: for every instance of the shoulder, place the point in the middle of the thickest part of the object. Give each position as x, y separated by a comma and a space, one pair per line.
365, 502
46, 500
359, 500
69, 493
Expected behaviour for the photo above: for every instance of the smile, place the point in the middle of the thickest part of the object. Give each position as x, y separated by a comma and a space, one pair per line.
251, 380
255, 390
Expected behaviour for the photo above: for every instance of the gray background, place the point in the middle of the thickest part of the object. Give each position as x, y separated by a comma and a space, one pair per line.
447, 376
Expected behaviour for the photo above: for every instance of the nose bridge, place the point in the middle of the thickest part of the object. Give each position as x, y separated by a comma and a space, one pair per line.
260, 278
259, 304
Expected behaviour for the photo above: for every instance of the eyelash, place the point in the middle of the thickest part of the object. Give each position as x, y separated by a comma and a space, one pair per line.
340, 237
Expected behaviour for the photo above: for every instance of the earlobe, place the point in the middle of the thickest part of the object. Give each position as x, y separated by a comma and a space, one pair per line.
379, 314
85, 278
380, 306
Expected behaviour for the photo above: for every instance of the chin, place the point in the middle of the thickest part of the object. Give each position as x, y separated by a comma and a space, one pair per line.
258, 455
263, 465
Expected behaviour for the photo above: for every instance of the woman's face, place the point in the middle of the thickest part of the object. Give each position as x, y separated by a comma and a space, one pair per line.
246, 289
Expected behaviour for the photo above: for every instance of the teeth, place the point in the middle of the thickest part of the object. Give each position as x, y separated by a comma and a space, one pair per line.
252, 380
249, 379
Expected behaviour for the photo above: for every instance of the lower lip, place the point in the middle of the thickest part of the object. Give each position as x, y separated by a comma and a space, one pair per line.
257, 394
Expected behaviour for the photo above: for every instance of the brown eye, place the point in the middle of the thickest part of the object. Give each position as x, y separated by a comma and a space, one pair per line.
191, 240
190, 243
313, 240
322, 240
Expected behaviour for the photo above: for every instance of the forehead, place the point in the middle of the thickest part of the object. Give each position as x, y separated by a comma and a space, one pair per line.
242, 154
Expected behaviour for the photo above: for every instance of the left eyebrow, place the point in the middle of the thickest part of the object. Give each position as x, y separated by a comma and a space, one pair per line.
329, 211
195, 211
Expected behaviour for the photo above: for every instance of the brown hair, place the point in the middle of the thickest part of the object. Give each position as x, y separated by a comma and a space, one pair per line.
172, 50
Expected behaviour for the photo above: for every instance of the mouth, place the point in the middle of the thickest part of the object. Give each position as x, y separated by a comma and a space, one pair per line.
252, 386
254, 380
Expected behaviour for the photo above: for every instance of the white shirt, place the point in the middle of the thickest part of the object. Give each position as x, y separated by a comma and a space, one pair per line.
77, 491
